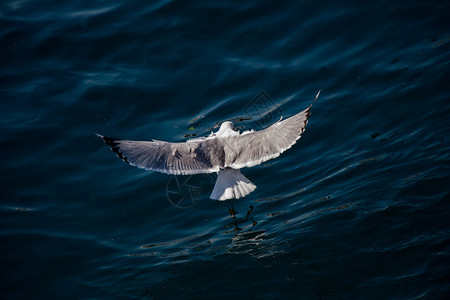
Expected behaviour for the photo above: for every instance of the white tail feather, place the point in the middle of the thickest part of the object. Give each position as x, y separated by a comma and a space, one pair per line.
231, 184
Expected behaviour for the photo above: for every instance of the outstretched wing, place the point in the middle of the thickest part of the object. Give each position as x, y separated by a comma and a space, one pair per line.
170, 158
256, 147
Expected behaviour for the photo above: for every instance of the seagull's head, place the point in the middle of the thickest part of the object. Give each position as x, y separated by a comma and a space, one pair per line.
226, 129
226, 125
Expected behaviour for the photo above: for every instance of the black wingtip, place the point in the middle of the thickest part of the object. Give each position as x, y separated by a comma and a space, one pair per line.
108, 141
309, 108
317, 96
114, 144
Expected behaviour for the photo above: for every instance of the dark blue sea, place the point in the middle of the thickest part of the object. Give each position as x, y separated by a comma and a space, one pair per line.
359, 208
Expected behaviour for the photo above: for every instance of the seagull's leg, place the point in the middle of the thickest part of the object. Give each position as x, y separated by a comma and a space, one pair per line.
249, 211
232, 212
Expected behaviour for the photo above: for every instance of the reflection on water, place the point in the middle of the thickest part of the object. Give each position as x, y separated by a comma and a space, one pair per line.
242, 235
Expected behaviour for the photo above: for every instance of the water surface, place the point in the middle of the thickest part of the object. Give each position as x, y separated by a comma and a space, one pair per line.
357, 209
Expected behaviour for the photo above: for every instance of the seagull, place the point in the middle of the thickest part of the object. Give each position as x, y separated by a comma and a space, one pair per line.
224, 152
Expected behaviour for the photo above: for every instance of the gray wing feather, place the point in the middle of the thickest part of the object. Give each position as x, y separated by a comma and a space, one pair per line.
256, 147
170, 158
211, 155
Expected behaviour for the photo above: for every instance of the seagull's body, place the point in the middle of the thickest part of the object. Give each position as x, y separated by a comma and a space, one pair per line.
225, 152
